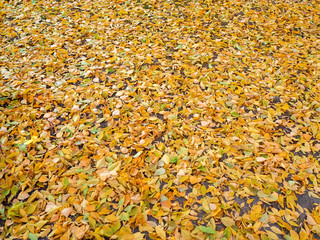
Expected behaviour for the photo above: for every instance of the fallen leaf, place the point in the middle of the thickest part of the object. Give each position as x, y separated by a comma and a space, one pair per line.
159, 172
209, 230
80, 232
161, 233
228, 222
66, 211
43, 178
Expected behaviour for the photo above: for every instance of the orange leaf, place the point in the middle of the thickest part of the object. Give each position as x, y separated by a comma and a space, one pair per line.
43, 178
80, 231
193, 179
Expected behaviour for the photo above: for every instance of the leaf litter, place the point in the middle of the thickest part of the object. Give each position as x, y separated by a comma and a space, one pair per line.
159, 120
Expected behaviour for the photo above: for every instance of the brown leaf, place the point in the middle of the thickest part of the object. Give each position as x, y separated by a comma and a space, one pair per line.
23, 195
310, 220
66, 211
80, 232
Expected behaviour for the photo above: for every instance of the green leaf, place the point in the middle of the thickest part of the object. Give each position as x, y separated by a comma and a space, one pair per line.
173, 117
121, 201
291, 183
110, 159
209, 230
109, 230
2, 213
202, 168
128, 208
22, 147
163, 198
14, 190
65, 182
32, 236
174, 159
264, 218
94, 130
85, 217
4, 194
227, 233
235, 114
124, 216
85, 191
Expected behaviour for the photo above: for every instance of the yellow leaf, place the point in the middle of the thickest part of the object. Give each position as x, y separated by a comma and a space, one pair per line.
280, 200
165, 159
256, 226
255, 212
138, 236
161, 233
32, 140
303, 235
272, 235
228, 222
291, 201
161, 146
276, 230
31, 208
294, 235
193, 179
123, 12
40, 224
65, 236
203, 190
112, 218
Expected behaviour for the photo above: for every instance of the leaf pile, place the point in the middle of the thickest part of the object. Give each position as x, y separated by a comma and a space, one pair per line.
159, 119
